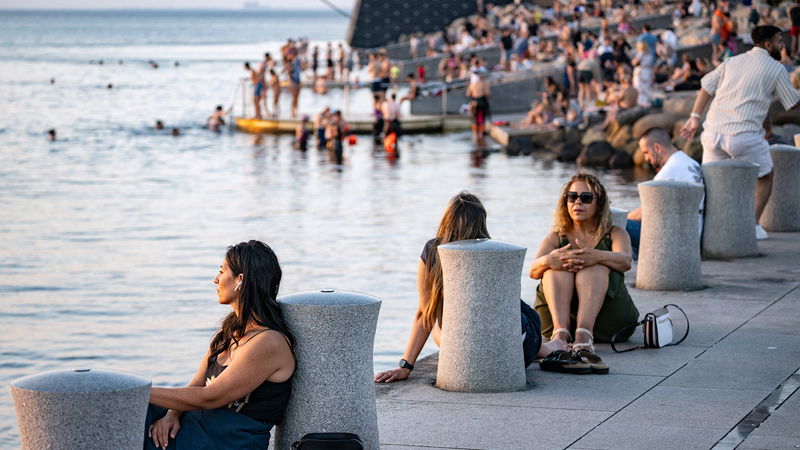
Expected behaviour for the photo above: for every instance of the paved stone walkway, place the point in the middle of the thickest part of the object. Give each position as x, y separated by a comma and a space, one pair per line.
739, 365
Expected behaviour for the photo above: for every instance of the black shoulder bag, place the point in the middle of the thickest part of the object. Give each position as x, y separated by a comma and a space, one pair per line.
329, 441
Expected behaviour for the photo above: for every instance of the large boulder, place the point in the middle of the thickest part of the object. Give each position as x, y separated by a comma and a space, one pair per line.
620, 160
596, 154
572, 135
694, 149
630, 147
621, 137
680, 104
593, 135
631, 115
567, 151
657, 120
544, 138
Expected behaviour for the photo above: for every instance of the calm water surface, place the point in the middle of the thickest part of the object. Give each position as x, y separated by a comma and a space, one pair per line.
111, 236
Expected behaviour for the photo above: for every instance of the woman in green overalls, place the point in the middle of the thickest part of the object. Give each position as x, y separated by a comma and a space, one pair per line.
582, 295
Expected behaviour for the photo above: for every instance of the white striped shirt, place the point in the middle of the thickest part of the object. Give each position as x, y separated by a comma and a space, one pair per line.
743, 88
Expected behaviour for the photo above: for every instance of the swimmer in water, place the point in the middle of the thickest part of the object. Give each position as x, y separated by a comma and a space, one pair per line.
216, 120
159, 125
176, 132
51, 134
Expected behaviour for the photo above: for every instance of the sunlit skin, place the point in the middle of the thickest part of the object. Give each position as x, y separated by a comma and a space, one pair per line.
579, 267
226, 282
257, 357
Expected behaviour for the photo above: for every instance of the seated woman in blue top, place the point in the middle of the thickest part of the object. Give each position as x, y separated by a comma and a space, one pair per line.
464, 218
242, 386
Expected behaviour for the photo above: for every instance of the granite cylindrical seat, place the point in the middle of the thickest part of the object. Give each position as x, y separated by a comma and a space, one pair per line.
332, 388
782, 212
619, 217
729, 225
81, 408
669, 248
481, 348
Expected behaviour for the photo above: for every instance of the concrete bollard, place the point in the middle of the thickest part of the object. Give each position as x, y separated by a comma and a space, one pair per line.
480, 343
729, 223
782, 212
619, 217
669, 249
332, 389
81, 408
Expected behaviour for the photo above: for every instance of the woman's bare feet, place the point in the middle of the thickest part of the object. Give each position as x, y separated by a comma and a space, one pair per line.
548, 347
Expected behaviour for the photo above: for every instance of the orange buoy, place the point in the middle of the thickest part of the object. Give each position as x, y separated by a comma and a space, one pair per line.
351, 139
390, 143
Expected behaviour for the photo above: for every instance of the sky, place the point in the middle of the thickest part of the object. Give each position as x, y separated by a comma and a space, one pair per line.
346, 5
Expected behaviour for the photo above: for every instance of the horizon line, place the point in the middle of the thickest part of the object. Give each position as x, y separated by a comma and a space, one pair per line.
166, 8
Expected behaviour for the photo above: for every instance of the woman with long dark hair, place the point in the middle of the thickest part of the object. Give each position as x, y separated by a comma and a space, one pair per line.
464, 218
243, 384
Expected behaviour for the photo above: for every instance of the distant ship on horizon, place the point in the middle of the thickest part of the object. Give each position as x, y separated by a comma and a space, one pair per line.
251, 5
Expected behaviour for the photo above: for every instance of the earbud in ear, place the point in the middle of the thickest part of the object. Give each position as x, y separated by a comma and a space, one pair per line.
238, 286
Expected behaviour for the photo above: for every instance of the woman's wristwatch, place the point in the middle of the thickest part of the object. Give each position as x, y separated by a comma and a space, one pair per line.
405, 365
694, 115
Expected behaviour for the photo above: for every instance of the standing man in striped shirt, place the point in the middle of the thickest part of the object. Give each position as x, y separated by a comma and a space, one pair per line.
737, 125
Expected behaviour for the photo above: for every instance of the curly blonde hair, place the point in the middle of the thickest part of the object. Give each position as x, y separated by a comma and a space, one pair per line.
562, 222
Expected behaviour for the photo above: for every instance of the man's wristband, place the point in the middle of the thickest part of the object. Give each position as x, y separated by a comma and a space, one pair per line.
405, 365
694, 115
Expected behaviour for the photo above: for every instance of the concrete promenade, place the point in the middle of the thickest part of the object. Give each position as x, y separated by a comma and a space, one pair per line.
739, 366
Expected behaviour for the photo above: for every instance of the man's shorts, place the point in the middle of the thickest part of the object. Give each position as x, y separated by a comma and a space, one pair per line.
751, 147
716, 39
259, 87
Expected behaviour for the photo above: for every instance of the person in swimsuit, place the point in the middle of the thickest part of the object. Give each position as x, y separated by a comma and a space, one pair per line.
295, 69
243, 384
478, 92
334, 134
581, 264
215, 121
275, 84
301, 134
258, 86
464, 218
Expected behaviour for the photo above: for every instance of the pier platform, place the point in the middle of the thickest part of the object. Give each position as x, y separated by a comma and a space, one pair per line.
358, 125
732, 384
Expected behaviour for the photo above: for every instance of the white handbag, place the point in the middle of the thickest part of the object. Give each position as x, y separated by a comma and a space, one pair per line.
657, 329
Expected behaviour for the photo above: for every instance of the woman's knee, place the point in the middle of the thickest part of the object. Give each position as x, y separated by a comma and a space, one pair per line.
558, 278
594, 273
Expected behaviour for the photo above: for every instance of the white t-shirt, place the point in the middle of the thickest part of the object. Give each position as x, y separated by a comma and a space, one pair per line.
681, 167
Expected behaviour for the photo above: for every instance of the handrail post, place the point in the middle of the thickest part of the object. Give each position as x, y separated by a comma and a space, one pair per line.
444, 98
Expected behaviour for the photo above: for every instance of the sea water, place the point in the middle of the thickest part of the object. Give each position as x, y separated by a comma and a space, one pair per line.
110, 236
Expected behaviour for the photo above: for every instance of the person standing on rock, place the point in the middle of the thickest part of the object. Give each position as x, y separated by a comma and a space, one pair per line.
670, 164
737, 125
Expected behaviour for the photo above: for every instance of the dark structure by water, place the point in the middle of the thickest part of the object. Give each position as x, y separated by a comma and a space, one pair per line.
374, 23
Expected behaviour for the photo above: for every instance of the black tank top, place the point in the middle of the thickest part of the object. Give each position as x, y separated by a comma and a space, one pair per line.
267, 403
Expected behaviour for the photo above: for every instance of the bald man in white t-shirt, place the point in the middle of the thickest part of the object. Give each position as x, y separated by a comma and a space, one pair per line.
670, 164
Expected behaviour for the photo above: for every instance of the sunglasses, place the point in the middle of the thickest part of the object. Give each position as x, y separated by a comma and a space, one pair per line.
586, 197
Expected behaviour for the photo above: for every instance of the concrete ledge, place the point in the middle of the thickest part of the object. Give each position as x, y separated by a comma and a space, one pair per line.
744, 343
